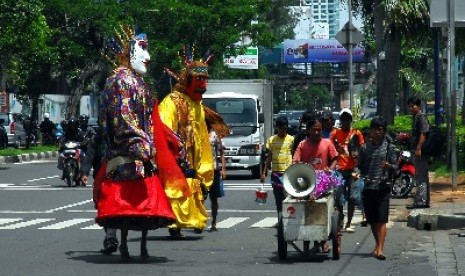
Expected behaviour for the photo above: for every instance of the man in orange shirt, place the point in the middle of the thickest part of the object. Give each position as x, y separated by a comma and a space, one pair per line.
347, 142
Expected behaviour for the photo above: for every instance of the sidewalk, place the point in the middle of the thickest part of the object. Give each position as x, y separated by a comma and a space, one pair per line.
27, 157
443, 223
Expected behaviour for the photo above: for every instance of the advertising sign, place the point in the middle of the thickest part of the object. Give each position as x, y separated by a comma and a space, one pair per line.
249, 60
320, 51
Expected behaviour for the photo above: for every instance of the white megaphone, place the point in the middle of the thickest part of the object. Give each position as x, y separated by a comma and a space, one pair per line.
299, 180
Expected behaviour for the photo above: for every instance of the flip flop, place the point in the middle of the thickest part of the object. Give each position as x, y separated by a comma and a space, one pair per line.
350, 230
381, 257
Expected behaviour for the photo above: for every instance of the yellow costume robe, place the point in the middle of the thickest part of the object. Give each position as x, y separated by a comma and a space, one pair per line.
187, 118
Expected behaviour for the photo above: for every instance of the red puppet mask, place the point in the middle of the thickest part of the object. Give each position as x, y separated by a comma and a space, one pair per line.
196, 87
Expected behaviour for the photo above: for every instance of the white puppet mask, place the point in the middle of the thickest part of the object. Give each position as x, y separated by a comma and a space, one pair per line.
139, 56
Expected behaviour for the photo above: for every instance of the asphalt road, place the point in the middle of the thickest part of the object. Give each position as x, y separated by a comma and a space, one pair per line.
47, 228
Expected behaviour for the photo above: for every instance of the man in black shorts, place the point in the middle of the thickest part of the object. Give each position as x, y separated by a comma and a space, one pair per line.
376, 165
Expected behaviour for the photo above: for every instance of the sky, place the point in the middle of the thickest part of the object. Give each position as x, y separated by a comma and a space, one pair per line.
344, 18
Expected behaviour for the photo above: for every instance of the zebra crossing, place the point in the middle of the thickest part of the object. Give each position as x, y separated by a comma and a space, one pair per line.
49, 187
89, 224
230, 222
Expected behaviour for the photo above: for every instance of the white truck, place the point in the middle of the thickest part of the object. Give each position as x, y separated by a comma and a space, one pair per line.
247, 108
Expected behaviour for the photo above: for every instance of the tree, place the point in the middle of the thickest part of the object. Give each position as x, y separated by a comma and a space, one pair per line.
392, 20
23, 36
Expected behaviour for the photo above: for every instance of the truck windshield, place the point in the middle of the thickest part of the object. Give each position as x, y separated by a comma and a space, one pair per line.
239, 114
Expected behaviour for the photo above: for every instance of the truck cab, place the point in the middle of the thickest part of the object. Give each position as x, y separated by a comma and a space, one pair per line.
244, 145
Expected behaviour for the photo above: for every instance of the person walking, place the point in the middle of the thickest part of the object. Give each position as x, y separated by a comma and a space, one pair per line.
184, 114
346, 140
327, 121
302, 133
219, 163
279, 158
376, 166
319, 153
129, 187
420, 129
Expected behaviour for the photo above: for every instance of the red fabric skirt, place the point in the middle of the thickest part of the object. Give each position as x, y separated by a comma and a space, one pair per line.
133, 204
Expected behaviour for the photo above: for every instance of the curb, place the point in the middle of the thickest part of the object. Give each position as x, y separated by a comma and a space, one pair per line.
432, 222
27, 157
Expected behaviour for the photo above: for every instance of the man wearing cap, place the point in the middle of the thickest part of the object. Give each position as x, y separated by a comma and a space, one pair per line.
347, 142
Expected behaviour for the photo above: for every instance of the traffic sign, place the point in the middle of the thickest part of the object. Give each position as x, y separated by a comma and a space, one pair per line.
343, 35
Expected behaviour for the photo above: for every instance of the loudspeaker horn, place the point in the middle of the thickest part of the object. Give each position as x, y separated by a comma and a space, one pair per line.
299, 180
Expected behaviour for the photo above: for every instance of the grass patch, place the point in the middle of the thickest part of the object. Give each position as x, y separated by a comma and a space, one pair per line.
32, 149
441, 169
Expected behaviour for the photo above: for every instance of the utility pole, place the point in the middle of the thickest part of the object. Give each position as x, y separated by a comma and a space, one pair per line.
351, 52
452, 91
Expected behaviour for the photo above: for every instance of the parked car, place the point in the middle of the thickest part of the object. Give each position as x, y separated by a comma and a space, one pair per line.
14, 129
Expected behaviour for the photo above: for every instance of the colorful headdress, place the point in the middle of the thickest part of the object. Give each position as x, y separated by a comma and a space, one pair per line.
119, 47
190, 67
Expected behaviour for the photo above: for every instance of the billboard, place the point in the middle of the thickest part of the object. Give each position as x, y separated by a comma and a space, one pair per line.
320, 51
248, 60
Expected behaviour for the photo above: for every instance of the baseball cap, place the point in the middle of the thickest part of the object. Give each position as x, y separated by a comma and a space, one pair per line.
345, 110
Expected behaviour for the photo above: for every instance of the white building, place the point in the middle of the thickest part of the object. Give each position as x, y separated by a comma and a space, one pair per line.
324, 16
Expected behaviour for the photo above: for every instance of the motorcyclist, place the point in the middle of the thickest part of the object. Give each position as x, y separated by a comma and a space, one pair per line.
72, 133
47, 129
86, 132
30, 128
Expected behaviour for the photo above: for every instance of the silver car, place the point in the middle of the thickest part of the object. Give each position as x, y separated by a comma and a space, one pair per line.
14, 129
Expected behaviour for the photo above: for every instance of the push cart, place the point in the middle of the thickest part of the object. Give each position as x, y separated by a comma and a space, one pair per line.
308, 221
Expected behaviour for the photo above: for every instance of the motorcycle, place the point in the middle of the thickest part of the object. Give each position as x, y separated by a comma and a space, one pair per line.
71, 156
404, 177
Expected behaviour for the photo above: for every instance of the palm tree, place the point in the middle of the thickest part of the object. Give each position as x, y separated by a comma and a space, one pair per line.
387, 22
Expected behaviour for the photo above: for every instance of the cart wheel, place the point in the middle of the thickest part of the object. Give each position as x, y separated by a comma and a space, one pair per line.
306, 247
282, 244
336, 228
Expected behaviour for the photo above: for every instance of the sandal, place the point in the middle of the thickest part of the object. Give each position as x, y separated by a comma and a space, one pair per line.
375, 254
350, 230
381, 257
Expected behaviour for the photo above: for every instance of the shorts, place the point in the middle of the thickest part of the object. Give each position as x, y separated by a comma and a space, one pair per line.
217, 189
376, 205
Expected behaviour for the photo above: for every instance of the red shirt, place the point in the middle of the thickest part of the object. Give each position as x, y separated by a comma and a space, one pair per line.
318, 155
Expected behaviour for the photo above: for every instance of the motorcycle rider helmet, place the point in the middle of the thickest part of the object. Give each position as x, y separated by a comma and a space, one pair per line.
46, 116
73, 124
83, 121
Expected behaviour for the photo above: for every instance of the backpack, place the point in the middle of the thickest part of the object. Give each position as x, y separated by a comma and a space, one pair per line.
434, 142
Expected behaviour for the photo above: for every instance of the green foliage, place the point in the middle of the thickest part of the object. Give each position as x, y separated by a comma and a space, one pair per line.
32, 149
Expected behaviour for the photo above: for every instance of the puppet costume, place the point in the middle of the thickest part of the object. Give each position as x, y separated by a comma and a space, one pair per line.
129, 187
187, 118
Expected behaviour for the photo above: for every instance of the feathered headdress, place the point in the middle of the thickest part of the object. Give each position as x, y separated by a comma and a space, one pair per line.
190, 67
120, 45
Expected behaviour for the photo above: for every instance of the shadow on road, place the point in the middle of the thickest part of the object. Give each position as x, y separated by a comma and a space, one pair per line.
96, 257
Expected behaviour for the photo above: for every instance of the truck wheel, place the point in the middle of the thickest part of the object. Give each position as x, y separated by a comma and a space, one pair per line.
256, 172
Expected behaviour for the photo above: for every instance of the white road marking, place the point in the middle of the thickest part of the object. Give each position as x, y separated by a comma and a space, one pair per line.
70, 205
66, 223
94, 226
25, 223
267, 222
43, 178
9, 220
230, 222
